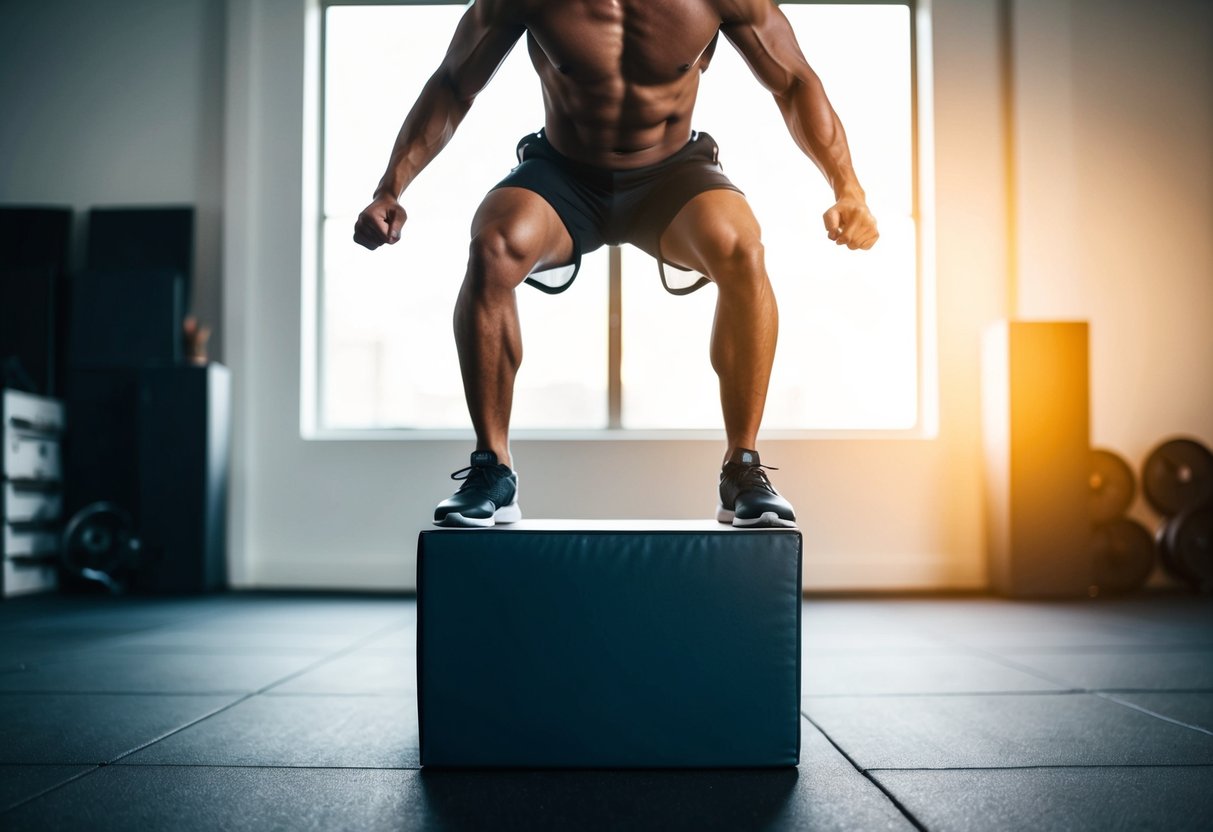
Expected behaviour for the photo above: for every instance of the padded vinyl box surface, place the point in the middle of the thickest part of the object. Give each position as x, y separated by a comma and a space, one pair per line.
593, 644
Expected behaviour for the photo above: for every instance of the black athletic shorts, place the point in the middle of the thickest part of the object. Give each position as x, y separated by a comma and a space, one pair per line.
599, 205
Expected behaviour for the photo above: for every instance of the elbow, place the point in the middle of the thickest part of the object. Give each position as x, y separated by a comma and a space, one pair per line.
458, 89
796, 83
788, 88
789, 95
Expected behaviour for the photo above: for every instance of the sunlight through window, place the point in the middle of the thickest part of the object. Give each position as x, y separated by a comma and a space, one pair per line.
847, 356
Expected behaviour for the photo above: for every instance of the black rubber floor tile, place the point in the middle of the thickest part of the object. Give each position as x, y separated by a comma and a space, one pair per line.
203, 639
833, 674
121, 615
91, 728
18, 650
400, 640
1133, 670
187, 799
996, 624
825, 793
18, 783
1189, 708
338, 731
358, 673
1002, 731
1097, 799
301, 616
1189, 613
155, 673
868, 642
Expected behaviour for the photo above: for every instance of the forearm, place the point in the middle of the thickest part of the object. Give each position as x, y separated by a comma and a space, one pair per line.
818, 131
428, 127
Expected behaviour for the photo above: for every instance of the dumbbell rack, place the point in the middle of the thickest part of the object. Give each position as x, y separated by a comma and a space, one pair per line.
32, 506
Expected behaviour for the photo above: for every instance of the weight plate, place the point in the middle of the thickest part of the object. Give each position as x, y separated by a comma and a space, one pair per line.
1112, 486
99, 544
1189, 543
1122, 555
1178, 475
1167, 558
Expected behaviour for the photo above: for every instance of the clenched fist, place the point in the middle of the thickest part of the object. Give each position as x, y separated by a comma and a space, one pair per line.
849, 223
379, 223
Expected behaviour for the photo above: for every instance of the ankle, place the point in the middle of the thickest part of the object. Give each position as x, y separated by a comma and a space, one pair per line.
734, 450
503, 455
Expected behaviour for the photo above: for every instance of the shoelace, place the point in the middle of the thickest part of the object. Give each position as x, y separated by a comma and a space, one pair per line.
753, 476
474, 476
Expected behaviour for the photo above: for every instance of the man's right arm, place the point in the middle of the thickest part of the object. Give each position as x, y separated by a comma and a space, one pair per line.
484, 36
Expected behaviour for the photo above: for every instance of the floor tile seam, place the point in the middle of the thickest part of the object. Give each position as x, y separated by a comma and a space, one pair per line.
897, 804
1109, 695
204, 650
230, 705
179, 729
877, 769
1022, 668
961, 693
53, 692
42, 792
280, 766
1150, 690
404, 694
345, 651
1070, 691
1118, 650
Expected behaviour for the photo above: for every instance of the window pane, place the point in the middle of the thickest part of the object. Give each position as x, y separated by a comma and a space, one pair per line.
388, 353
847, 354
848, 341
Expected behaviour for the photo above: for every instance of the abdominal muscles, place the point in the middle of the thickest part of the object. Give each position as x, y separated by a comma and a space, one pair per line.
617, 108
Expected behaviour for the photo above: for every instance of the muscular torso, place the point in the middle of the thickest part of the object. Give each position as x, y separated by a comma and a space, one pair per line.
620, 77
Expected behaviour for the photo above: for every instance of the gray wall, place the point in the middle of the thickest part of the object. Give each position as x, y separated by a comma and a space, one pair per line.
162, 101
111, 103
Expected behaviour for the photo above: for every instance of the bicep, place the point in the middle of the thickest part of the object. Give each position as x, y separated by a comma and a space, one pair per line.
764, 37
485, 35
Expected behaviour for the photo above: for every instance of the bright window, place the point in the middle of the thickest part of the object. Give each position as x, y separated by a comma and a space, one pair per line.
848, 347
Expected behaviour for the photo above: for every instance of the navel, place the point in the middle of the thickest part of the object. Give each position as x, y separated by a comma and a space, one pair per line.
563, 69
683, 67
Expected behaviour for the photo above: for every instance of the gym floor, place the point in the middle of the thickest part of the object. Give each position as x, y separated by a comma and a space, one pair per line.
262, 711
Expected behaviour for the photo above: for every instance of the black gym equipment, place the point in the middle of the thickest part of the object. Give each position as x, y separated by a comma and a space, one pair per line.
1036, 421
1122, 556
1178, 475
1112, 485
100, 545
34, 295
1185, 546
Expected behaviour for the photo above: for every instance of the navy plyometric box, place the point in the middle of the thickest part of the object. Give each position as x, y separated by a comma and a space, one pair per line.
609, 644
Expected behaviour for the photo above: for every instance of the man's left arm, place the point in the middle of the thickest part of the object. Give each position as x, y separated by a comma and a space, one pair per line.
763, 36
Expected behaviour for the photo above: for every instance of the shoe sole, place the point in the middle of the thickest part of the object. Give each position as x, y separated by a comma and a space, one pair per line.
504, 515
769, 519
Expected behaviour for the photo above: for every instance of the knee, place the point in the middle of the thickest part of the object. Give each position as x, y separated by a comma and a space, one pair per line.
499, 257
735, 260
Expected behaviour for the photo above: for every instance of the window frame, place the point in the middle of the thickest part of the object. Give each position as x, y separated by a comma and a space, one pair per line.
926, 424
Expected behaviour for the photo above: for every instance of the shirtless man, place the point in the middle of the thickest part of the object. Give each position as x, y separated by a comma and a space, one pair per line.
617, 161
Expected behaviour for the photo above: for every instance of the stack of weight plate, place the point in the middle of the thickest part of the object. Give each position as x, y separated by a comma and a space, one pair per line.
1122, 551
1178, 482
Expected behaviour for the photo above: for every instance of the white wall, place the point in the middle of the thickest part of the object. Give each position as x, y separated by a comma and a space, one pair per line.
1114, 105
346, 513
191, 101
116, 103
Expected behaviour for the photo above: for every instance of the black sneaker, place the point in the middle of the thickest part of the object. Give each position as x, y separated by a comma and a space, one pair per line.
747, 498
489, 495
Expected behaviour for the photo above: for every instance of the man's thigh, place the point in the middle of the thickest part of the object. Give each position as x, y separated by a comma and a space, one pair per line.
526, 224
